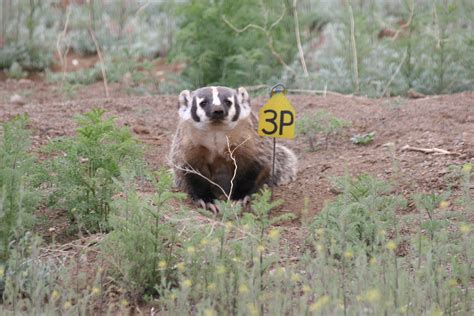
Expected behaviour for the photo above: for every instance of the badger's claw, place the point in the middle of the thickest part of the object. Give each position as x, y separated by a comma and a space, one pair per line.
208, 206
243, 202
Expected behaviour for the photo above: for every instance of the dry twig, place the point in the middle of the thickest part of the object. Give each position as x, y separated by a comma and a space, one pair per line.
434, 150
298, 38
394, 74
231, 154
99, 53
192, 170
355, 60
61, 37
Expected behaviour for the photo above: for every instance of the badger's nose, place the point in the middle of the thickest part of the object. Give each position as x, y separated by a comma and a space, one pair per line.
217, 113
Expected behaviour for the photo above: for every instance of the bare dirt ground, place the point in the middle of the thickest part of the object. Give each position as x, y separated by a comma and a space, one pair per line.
445, 122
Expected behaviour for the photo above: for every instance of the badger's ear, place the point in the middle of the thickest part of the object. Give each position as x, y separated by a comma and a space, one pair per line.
243, 99
184, 104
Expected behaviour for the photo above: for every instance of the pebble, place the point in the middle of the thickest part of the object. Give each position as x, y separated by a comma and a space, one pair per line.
17, 99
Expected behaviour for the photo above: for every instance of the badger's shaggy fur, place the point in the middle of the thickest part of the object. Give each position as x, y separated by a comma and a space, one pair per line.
209, 117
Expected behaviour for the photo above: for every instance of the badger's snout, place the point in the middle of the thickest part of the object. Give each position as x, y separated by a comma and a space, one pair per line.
218, 112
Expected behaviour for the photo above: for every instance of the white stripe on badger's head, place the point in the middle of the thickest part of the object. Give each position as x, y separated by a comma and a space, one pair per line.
232, 108
200, 114
215, 96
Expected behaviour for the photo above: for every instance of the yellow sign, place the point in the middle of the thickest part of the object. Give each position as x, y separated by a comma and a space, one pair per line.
277, 118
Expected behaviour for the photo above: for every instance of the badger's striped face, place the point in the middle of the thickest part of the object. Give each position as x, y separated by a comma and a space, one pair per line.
214, 107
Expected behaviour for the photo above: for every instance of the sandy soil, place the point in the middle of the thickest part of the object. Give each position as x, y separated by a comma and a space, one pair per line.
445, 122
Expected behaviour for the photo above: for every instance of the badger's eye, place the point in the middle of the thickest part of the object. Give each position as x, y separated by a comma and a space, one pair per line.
228, 102
203, 103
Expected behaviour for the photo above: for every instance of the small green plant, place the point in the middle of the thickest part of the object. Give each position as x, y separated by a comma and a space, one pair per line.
320, 125
84, 167
18, 188
16, 72
359, 216
142, 220
120, 68
18, 177
363, 139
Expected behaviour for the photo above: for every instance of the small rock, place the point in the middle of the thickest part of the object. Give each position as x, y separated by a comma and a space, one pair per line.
17, 99
141, 129
25, 81
413, 94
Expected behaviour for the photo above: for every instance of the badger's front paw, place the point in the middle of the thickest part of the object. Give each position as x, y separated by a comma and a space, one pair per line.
243, 202
210, 206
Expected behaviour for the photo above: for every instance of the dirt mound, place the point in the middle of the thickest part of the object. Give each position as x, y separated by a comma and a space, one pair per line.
445, 122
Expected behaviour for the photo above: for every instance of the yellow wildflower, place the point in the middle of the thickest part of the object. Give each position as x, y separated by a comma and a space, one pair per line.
204, 242
436, 312
260, 248
211, 287
243, 289
349, 254
280, 271
467, 168
187, 283
162, 264
391, 245
443, 204
274, 234
373, 261
67, 305
370, 296
191, 250
403, 309
253, 310
124, 302
209, 312
323, 300
295, 277
306, 289
55, 295
465, 228
180, 266
453, 282
95, 290
319, 247
220, 269
320, 232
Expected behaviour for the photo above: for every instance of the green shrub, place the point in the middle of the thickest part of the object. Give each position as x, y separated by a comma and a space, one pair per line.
27, 56
18, 189
430, 54
84, 166
143, 247
320, 124
120, 67
358, 216
232, 58
16, 72
18, 179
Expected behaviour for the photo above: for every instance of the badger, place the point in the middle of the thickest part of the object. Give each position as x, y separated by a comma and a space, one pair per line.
216, 151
